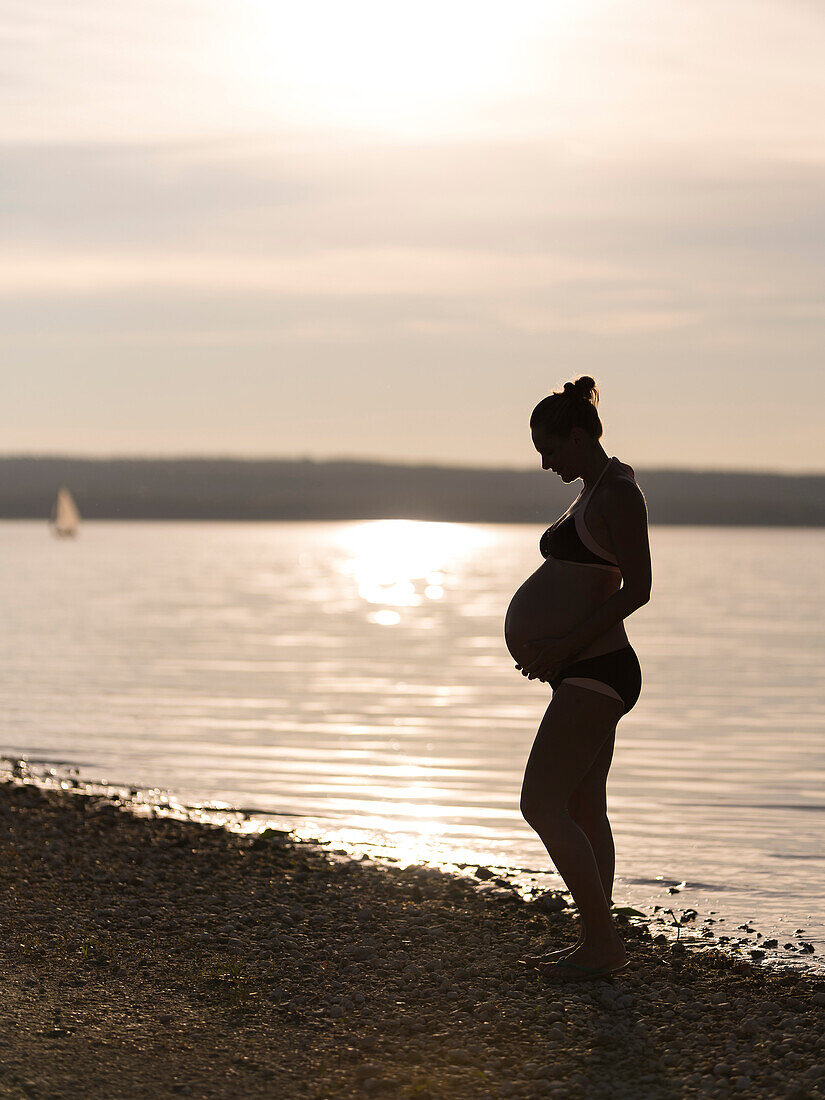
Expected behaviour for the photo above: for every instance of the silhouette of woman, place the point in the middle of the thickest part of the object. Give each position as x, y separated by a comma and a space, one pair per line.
565, 627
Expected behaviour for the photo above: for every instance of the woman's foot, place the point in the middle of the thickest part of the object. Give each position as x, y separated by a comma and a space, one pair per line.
550, 956
588, 959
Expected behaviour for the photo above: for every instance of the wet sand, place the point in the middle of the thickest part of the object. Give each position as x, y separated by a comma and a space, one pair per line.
152, 957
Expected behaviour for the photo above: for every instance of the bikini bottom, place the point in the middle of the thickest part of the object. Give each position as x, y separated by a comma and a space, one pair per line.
617, 674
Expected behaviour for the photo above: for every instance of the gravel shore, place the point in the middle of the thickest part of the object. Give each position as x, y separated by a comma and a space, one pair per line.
152, 957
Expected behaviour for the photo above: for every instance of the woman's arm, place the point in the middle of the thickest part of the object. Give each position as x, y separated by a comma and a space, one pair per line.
625, 513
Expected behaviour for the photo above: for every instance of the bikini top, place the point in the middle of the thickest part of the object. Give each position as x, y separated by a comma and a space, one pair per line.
569, 540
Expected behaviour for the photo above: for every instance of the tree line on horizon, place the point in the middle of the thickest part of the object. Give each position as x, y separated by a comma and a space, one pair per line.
303, 489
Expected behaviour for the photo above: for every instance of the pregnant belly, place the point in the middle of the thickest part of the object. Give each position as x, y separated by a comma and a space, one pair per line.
552, 602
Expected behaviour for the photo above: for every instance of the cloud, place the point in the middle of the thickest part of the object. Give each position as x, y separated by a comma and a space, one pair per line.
340, 273
186, 239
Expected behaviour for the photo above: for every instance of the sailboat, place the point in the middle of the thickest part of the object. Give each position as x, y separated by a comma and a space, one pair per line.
65, 518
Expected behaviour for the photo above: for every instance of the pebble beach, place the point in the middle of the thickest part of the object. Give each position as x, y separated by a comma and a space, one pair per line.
146, 956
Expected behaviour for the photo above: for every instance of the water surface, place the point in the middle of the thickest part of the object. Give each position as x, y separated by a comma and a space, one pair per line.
351, 680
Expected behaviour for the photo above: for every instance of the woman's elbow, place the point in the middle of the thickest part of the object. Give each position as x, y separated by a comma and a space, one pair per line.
638, 597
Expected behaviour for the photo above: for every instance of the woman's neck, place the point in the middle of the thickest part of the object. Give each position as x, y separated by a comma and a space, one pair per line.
597, 465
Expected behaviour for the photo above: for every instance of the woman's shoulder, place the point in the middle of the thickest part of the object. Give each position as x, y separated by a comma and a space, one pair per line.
621, 490
622, 470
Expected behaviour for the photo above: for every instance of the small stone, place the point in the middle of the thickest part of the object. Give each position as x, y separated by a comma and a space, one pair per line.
490, 892
549, 902
361, 952
818, 998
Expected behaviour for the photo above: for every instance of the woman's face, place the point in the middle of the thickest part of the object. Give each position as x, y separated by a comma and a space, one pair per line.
557, 454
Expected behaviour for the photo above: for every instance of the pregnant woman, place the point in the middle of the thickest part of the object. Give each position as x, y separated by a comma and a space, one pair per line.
565, 627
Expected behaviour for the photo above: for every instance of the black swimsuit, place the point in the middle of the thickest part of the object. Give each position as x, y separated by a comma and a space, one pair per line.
618, 672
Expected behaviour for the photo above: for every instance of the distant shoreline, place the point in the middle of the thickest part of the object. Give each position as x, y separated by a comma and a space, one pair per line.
294, 490
91, 521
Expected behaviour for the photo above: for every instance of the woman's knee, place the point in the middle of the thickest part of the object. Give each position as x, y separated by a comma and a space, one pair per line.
529, 807
539, 807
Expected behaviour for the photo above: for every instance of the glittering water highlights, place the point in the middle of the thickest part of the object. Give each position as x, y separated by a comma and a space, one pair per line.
350, 680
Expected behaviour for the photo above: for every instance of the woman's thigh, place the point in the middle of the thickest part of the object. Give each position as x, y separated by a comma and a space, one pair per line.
572, 734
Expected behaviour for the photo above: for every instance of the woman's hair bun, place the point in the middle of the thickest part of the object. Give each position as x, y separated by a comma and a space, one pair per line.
572, 407
584, 387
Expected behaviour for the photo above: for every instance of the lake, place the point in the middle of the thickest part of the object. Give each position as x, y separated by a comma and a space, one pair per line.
350, 680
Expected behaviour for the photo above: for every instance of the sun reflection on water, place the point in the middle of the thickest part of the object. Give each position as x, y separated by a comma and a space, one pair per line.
402, 563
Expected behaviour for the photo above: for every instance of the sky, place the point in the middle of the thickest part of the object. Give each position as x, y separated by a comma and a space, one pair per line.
386, 230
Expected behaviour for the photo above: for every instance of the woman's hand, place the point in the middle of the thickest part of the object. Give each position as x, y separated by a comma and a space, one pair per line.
550, 655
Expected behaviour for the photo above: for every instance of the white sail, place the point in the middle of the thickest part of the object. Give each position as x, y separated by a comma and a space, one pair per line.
65, 516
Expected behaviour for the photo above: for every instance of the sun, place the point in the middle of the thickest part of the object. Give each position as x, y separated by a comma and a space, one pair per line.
388, 63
